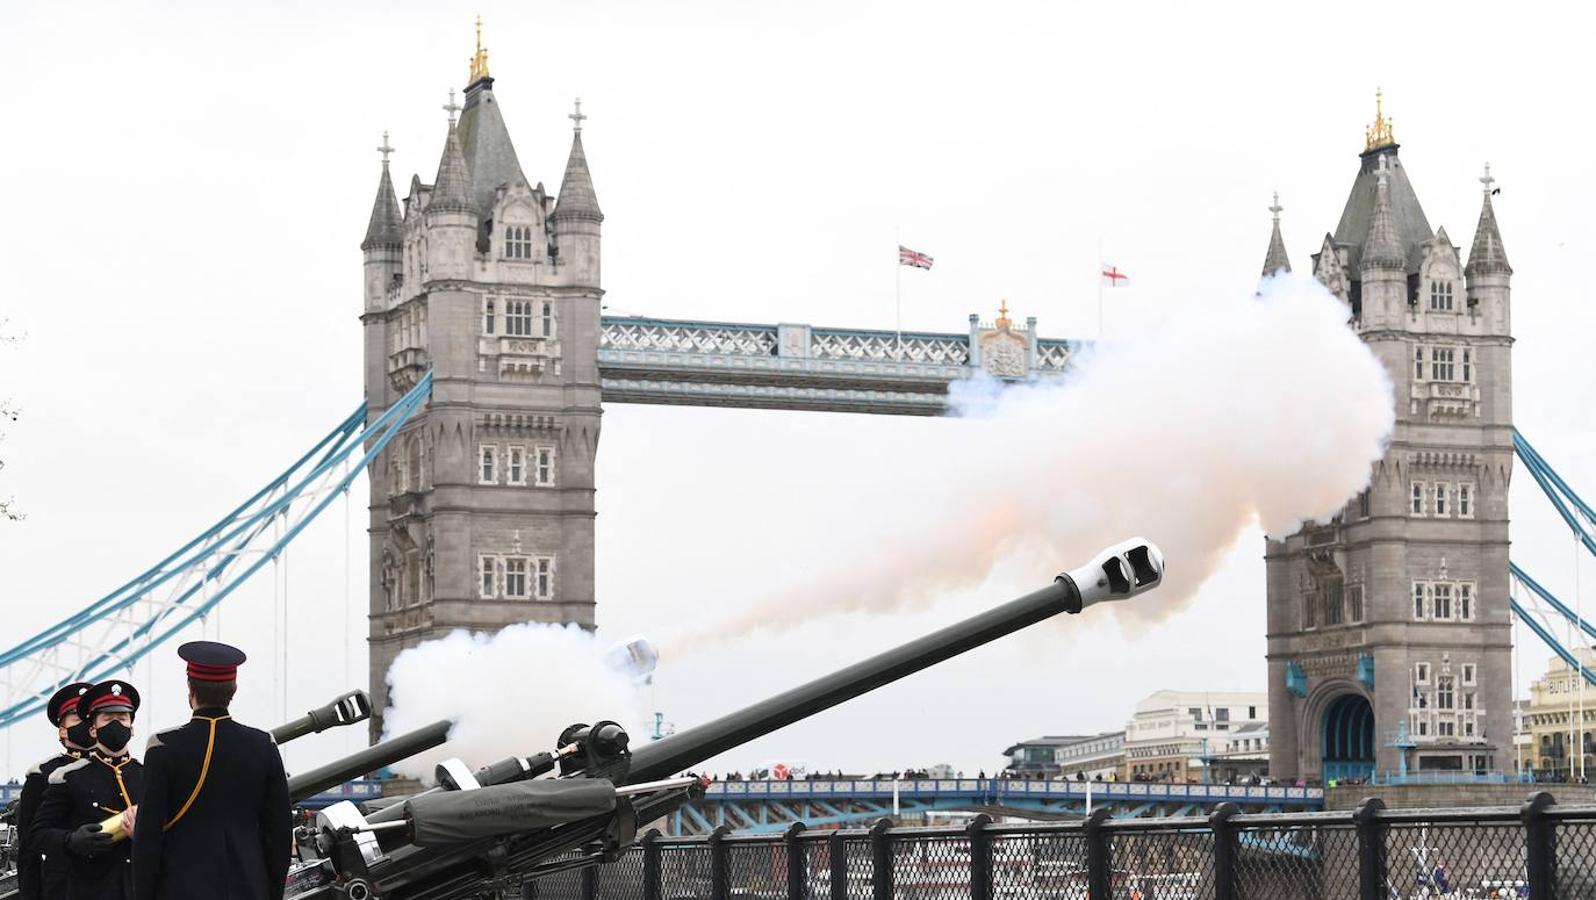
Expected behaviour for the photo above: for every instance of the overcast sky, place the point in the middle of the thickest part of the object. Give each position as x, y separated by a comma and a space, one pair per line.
188, 185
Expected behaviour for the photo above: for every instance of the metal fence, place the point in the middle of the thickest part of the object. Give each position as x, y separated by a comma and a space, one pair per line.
1538, 851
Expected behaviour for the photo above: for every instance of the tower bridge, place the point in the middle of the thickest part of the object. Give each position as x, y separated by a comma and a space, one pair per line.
487, 361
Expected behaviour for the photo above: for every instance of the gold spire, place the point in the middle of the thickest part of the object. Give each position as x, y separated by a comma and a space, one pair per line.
479, 62
1379, 134
1003, 320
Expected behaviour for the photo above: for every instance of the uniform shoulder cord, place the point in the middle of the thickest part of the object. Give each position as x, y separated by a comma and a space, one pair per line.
205, 768
116, 769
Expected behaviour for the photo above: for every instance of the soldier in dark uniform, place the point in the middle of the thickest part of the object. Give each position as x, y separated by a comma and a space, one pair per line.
215, 820
98, 790
38, 878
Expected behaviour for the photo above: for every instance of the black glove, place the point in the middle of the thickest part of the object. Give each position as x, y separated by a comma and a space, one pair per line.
88, 840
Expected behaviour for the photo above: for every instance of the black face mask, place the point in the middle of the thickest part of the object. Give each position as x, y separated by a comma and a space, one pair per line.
78, 735
114, 736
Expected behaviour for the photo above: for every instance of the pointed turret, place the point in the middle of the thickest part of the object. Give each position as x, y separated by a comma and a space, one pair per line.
1382, 247
576, 219
577, 200
1275, 259
1489, 278
451, 190
384, 228
1487, 255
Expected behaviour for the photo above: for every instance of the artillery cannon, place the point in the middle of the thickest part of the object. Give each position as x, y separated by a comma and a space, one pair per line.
481, 833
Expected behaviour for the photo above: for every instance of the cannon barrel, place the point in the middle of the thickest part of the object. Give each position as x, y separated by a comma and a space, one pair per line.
1121, 571
346, 709
303, 786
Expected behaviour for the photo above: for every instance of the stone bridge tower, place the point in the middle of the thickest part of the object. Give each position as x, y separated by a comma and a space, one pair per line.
481, 511
1389, 629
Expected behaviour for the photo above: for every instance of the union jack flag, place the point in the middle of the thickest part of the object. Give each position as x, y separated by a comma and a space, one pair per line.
1113, 277
907, 257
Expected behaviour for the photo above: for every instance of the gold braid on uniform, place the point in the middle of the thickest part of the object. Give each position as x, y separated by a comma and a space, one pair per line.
205, 768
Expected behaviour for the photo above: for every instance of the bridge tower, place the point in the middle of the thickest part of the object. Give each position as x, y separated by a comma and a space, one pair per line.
481, 512
1396, 614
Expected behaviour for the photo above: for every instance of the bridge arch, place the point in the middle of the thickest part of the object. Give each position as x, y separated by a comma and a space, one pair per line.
1347, 737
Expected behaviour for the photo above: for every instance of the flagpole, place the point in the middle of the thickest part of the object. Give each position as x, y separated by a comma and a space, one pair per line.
1099, 287
897, 314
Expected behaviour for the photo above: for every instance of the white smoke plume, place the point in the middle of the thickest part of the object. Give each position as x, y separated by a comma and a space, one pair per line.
1263, 409
511, 693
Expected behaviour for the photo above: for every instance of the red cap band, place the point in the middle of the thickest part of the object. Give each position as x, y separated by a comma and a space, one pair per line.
201, 672
109, 700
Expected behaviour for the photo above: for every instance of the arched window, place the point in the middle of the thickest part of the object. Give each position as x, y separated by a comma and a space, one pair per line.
518, 242
1441, 296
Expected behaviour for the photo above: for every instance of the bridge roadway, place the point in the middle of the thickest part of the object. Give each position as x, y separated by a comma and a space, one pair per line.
765, 806
788, 366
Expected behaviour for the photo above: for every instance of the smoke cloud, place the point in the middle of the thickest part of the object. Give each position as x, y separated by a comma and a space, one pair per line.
511, 693
1263, 409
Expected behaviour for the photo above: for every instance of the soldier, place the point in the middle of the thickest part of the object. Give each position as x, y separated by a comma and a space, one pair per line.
100, 789
37, 877
215, 821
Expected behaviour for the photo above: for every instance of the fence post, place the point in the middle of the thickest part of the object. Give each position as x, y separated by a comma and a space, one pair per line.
1540, 833
1371, 848
980, 858
881, 859
1224, 850
839, 866
651, 885
797, 868
719, 880
1099, 855
589, 885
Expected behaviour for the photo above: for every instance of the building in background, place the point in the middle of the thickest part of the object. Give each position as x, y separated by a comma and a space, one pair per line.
1389, 627
1553, 748
1172, 733
1054, 756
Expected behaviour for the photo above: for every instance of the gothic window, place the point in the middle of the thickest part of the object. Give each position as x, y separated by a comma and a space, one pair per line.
487, 464
1310, 610
487, 316
1332, 605
1441, 364
487, 583
1469, 726
1363, 503
1442, 601
1465, 605
1445, 727
1420, 495
410, 586
1465, 500
1444, 694
515, 464
1355, 603
1443, 491
1440, 296
1421, 674
1418, 363
518, 242
548, 319
1468, 680
518, 318
543, 588
543, 466
1418, 600
1468, 368
515, 572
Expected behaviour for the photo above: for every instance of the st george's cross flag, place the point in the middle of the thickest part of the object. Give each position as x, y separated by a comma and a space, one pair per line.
915, 258
1113, 277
